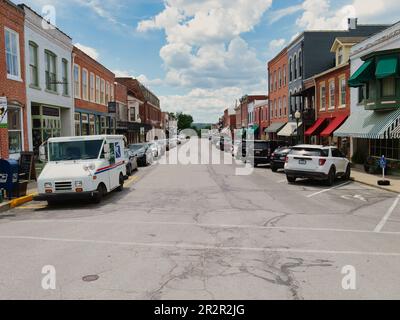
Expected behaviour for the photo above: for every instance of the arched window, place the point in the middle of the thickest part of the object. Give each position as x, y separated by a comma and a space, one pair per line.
295, 67
290, 70
300, 63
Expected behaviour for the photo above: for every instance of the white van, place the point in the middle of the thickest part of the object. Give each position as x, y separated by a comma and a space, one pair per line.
81, 167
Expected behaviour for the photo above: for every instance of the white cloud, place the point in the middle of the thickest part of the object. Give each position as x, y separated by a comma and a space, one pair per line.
275, 46
319, 14
205, 105
277, 15
91, 52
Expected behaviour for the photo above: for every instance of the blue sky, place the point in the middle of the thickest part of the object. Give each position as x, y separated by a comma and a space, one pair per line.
199, 56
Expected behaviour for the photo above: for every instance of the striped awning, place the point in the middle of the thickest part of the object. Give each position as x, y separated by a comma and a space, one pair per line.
289, 130
370, 124
396, 132
275, 127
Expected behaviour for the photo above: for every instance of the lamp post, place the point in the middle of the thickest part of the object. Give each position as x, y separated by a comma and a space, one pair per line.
297, 116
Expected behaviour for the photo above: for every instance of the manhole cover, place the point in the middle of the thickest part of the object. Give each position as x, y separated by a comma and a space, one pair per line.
90, 278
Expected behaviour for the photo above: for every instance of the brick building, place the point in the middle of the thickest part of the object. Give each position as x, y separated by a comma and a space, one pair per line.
13, 127
93, 90
146, 106
261, 118
278, 94
333, 97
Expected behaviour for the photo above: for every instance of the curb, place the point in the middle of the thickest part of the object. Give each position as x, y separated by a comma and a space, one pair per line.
16, 203
375, 186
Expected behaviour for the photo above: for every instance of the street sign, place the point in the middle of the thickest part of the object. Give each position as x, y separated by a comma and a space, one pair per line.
383, 162
3, 112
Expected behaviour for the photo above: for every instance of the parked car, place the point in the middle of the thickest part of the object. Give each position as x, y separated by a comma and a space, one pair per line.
317, 163
154, 149
143, 153
260, 151
131, 162
278, 158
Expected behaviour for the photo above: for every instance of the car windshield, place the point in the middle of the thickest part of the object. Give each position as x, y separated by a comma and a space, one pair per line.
136, 147
309, 152
74, 150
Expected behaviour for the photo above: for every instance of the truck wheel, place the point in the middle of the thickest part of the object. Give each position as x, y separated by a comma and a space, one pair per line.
121, 183
101, 192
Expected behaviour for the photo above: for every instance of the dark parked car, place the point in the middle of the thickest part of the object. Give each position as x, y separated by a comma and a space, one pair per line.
143, 153
260, 151
278, 158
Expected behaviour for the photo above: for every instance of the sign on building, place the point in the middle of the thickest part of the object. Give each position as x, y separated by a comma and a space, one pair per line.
3, 112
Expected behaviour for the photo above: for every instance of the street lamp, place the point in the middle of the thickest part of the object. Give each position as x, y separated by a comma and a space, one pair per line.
297, 116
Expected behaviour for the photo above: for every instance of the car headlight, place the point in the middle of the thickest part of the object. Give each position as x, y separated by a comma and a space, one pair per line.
48, 185
78, 184
88, 167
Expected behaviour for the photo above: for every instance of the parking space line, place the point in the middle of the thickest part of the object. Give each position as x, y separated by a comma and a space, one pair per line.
205, 225
202, 247
386, 217
326, 190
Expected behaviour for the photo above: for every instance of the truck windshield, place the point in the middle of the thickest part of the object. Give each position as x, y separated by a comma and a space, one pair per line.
74, 150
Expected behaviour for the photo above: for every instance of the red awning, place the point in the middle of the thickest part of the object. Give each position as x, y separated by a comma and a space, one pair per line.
318, 124
333, 126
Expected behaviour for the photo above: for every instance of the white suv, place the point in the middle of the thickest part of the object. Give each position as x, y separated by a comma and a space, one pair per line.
318, 163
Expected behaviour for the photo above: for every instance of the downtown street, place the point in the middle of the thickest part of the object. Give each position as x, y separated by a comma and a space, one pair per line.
204, 232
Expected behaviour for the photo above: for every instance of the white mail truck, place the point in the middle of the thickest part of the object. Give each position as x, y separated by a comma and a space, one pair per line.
81, 167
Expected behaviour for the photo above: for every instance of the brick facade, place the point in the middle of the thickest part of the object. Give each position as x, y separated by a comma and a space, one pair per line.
278, 88
12, 17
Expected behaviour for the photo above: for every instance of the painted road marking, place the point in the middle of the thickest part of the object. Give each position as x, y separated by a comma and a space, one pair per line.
204, 225
326, 190
385, 218
132, 180
202, 247
351, 197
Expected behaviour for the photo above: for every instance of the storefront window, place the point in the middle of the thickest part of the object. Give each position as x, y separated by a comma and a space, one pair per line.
390, 148
91, 124
14, 130
85, 124
77, 124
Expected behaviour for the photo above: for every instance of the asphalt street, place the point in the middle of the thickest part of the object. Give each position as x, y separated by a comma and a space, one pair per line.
196, 231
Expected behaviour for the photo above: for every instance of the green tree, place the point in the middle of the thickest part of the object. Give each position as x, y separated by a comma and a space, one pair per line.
184, 121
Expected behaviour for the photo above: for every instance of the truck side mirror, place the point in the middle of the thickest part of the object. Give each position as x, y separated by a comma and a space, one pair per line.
42, 153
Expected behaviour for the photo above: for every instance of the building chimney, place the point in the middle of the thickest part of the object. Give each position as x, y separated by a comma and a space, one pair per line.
353, 23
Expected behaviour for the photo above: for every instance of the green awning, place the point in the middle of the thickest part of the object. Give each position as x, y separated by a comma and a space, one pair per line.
275, 127
369, 124
363, 74
386, 67
255, 127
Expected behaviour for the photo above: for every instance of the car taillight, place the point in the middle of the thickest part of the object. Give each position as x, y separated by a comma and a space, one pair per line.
322, 162
273, 155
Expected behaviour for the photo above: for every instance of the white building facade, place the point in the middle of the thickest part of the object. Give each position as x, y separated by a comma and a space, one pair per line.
50, 103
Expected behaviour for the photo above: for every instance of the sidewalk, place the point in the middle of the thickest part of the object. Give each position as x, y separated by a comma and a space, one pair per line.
9, 204
361, 176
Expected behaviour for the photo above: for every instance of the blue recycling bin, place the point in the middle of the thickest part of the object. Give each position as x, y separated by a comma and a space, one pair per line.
9, 176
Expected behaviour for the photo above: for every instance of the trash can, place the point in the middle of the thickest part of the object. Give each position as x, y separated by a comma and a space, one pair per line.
9, 176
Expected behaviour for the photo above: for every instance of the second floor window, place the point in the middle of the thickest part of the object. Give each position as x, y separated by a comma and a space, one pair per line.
91, 84
77, 81
290, 70
102, 91
322, 97
295, 67
51, 71
107, 92
132, 114
332, 94
85, 87
300, 64
284, 75
65, 77
33, 64
343, 86
97, 89
12, 54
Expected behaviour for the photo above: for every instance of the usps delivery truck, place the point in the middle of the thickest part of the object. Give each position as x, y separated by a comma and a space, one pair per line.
81, 167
